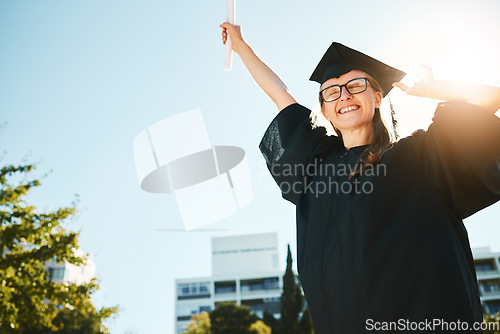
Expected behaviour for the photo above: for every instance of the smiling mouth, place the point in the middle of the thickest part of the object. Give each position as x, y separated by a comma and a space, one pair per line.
348, 109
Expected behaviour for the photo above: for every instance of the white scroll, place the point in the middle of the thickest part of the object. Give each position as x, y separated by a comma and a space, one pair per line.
231, 18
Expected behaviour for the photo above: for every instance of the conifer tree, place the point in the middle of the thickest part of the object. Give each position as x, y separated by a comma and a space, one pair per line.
306, 324
292, 301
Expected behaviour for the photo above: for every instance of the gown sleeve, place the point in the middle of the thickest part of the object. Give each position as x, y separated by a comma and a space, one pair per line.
460, 152
287, 146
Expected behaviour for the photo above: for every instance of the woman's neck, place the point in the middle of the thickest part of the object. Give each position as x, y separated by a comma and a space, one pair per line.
357, 137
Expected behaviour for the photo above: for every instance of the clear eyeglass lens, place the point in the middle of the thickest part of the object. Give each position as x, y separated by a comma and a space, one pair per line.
331, 94
354, 86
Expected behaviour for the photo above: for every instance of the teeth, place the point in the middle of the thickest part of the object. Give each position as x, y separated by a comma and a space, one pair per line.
344, 110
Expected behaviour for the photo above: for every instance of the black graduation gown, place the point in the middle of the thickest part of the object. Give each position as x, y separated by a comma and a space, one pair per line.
392, 248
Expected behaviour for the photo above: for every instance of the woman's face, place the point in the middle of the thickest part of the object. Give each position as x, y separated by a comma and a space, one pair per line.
351, 112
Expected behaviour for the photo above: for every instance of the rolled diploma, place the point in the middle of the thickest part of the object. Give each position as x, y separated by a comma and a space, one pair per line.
230, 17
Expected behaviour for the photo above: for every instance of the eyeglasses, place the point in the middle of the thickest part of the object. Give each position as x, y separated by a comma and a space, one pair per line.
354, 86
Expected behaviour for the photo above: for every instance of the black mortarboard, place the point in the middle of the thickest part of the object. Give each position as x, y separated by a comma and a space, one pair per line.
339, 59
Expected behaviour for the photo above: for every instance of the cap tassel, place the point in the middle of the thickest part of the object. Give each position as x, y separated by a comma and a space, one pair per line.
394, 120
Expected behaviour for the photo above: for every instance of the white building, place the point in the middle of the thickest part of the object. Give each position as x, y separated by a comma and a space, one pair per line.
488, 278
66, 272
245, 269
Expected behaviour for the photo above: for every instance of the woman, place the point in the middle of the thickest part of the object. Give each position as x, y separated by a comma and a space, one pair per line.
380, 239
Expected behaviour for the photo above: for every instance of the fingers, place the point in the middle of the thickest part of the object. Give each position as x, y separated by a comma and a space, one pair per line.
231, 31
401, 86
225, 26
224, 35
228, 25
231, 28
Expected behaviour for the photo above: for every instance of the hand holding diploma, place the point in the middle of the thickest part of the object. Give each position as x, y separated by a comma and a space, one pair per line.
231, 36
270, 83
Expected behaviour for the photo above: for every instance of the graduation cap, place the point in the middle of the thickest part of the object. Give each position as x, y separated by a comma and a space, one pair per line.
340, 59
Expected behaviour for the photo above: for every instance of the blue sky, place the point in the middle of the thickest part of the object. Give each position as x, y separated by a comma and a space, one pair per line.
80, 79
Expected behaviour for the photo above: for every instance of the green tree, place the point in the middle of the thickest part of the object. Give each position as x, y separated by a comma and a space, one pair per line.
259, 327
271, 321
229, 318
292, 301
29, 301
493, 322
200, 324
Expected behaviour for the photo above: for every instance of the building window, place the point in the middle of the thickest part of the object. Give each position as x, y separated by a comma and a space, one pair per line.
271, 283
484, 265
259, 306
489, 286
493, 306
205, 309
193, 290
260, 284
225, 287
56, 273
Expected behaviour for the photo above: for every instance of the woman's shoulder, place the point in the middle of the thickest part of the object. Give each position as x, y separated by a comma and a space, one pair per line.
460, 126
290, 132
294, 107
409, 142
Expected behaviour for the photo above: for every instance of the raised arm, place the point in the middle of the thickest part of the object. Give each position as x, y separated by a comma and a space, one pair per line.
270, 83
484, 96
